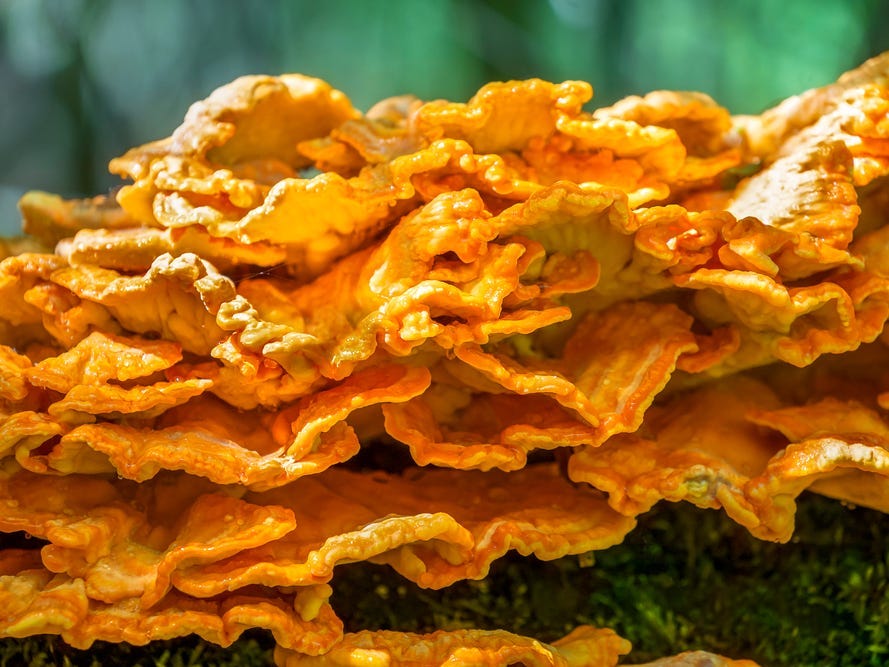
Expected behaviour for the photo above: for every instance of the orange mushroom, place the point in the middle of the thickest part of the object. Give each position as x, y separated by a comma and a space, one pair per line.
682, 304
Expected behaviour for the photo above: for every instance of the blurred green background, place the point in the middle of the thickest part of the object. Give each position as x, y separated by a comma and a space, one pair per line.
84, 80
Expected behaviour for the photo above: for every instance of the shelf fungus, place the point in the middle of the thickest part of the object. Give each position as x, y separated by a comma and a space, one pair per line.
427, 335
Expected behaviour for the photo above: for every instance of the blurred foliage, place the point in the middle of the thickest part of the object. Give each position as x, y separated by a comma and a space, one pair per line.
87, 79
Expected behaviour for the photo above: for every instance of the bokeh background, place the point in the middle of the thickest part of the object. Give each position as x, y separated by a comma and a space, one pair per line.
83, 80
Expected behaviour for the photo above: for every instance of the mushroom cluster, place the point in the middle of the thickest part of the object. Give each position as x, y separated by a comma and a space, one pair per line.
550, 318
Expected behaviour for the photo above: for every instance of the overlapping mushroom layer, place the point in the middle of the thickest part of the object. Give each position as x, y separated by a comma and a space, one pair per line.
653, 294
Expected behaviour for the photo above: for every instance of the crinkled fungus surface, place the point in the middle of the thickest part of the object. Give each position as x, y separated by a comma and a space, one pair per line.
557, 317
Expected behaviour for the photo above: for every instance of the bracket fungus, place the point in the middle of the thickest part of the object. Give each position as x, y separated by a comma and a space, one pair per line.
568, 316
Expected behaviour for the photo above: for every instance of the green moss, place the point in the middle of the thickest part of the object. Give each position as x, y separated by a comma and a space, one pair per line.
685, 579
